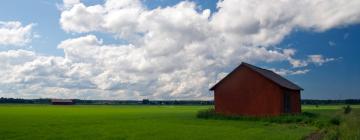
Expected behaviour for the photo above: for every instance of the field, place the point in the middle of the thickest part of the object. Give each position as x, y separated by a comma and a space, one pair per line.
153, 122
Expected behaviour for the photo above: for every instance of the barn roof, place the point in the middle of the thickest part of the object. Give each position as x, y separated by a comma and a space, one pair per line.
277, 79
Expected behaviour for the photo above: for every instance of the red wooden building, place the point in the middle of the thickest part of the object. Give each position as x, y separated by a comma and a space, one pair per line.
253, 91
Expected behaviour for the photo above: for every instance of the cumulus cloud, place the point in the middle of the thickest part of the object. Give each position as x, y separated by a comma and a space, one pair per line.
174, 52
70, 3
255, 24
15, 34
31, 75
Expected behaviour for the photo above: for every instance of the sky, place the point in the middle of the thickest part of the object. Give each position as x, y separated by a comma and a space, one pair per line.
174, 49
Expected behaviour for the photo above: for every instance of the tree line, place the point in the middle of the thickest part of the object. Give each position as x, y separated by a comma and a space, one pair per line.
160, 102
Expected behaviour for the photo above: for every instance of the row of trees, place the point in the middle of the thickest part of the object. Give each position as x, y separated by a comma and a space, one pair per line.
24, 101
110, 102
162, 102
324, 102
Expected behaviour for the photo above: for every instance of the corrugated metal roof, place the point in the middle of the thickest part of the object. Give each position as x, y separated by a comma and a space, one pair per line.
279, 80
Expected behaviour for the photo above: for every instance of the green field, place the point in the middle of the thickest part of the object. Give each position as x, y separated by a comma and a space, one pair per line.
150, 122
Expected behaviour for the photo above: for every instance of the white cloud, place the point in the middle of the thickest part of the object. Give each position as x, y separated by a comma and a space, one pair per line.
285, 72
319, 59
316, 59
295, 63
255, 24
67, 4
298, 63
118, 17
15, 34
175, 52
81, 18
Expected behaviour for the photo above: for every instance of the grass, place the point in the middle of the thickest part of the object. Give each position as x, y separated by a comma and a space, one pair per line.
327, 124
153, 122
348, 127
132, 122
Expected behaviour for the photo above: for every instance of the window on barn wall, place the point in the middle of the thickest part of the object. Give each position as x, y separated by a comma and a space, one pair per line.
287, 102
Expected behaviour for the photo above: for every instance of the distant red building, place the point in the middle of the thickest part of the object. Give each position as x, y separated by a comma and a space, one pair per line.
253, 91
62, 101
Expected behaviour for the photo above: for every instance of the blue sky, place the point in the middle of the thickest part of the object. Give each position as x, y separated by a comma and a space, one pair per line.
338, 79
59, 57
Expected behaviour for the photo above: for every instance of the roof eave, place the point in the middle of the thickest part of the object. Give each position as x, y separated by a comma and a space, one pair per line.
292, 88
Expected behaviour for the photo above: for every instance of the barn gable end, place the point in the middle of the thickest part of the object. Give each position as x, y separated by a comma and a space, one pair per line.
247, 91
281, 81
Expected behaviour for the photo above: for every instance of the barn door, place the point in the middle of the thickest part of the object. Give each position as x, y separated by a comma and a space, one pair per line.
287, 102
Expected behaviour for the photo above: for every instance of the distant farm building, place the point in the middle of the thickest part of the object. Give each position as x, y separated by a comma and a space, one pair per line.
253, 91
62, 101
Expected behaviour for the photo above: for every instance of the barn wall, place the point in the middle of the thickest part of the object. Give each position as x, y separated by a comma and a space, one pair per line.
246, 92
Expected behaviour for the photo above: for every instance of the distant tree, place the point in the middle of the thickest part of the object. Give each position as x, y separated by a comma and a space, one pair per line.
347, 109
145, 101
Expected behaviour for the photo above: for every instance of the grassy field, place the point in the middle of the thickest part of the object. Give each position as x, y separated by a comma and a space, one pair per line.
349, 128
147, 122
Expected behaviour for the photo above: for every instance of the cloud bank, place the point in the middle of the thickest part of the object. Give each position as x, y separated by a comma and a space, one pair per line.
174, 52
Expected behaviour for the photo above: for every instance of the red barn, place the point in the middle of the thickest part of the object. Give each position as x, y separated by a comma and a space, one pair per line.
253, 91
